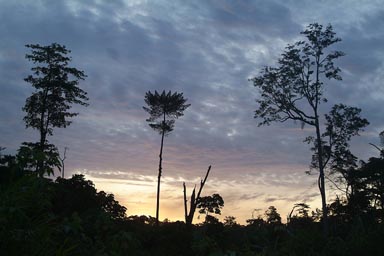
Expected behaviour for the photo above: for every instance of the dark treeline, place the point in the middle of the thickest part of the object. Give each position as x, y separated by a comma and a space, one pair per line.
68, 216
39, 216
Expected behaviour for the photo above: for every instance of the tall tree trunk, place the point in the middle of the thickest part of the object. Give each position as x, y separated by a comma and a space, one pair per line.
41, 148
321, 179
62, 162
321, 183
158, 178
44, 121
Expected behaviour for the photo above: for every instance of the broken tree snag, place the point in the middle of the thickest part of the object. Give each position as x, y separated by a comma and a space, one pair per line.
194, 199
203, 182
193, 202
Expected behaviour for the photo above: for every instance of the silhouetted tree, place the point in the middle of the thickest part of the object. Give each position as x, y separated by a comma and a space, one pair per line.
294, 90
230, 221
369, 188
210, 204
272, 216
301, 209
299, 217
163, 109
56, 90
31, 157
77, 194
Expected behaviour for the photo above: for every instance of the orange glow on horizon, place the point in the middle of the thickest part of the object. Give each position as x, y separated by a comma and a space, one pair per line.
140, 197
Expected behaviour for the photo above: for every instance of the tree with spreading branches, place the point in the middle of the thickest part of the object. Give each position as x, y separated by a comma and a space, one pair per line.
294, 91
56, 90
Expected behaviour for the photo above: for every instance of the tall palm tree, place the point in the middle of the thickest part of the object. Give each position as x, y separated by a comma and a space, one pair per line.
163, 109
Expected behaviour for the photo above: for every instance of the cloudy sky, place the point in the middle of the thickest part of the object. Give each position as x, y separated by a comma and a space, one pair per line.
208, 50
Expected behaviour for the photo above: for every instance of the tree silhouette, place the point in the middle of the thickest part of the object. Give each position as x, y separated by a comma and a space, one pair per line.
210, 204
294, 90
367, 187
76, 194
56, 91
31, 158
301, 217
163, 109
273, 217
230, 221
302, 210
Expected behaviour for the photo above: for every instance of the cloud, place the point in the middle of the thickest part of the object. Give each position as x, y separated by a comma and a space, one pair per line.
291, 199
251, 196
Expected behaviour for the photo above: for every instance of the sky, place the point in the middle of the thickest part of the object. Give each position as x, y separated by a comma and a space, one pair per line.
208, 50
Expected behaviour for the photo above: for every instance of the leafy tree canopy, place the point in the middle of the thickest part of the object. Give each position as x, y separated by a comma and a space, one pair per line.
273, 217
56, 87
296, 81
210, 204
165, 107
